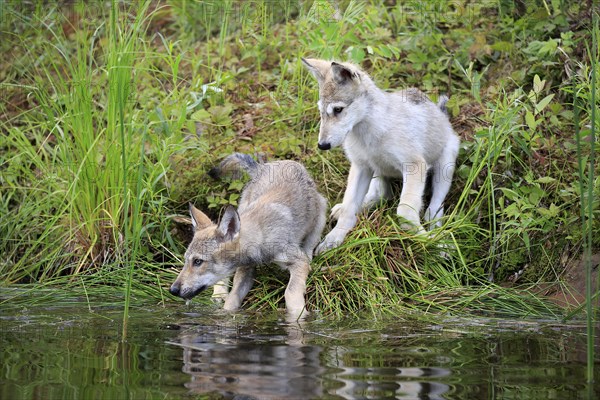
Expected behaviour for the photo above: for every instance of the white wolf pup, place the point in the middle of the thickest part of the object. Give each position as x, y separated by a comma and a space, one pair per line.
385, 135
280, 219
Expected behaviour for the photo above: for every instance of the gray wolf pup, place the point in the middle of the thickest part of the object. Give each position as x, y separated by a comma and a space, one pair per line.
280, 219
384, 135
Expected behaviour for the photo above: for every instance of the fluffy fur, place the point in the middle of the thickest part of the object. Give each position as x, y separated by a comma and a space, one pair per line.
280, 219
384, 135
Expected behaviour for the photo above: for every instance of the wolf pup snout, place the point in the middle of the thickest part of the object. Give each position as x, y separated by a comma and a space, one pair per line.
279, 220
324, 146
175, 288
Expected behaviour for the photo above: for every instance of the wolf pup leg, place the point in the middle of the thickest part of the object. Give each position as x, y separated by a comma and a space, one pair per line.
359, 180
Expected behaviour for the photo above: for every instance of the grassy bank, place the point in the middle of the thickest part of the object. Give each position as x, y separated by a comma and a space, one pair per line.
111, 116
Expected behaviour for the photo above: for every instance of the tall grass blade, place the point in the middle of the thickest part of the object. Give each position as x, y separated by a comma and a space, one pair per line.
123, 39
589, 206
586, 190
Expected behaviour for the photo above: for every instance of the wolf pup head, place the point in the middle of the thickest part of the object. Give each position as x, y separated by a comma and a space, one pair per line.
341, 103
212, 254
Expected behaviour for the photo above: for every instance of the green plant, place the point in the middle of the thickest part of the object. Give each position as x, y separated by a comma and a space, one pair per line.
104, 168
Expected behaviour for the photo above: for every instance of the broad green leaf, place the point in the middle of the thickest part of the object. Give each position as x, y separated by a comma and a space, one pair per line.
538, 84
545, 179
543, 103
530, 120
549, 47
200, 115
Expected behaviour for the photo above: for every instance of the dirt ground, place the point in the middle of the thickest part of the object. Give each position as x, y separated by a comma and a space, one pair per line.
572, 292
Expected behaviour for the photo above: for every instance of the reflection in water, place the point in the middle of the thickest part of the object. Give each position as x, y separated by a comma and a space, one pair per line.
399, 383
71, 353
285, 368
254, 370
291, 361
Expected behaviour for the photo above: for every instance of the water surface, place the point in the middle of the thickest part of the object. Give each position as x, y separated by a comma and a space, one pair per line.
73, 351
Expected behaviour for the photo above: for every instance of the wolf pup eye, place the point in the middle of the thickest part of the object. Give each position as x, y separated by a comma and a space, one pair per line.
197, 262
337, 110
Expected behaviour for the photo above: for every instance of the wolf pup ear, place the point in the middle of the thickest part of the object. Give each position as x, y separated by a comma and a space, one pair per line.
342, 74
318, 68
229, 227
199, 219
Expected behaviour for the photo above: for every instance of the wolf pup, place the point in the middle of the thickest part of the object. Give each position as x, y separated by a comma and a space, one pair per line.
384, 135
280, 219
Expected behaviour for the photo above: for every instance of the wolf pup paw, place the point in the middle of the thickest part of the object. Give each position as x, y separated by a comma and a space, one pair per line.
410, 219
336, 211
331, 241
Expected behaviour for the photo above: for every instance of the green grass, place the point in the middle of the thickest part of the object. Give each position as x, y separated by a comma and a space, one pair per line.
85, 181
114, 114
587, 191
589, 295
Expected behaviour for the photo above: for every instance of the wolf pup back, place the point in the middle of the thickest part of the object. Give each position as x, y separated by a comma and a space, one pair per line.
234, 164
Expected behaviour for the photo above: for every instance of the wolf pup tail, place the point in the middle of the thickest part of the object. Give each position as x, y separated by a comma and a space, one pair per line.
235, 164
442, 103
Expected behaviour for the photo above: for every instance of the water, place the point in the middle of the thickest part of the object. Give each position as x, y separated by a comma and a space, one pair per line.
179, 352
